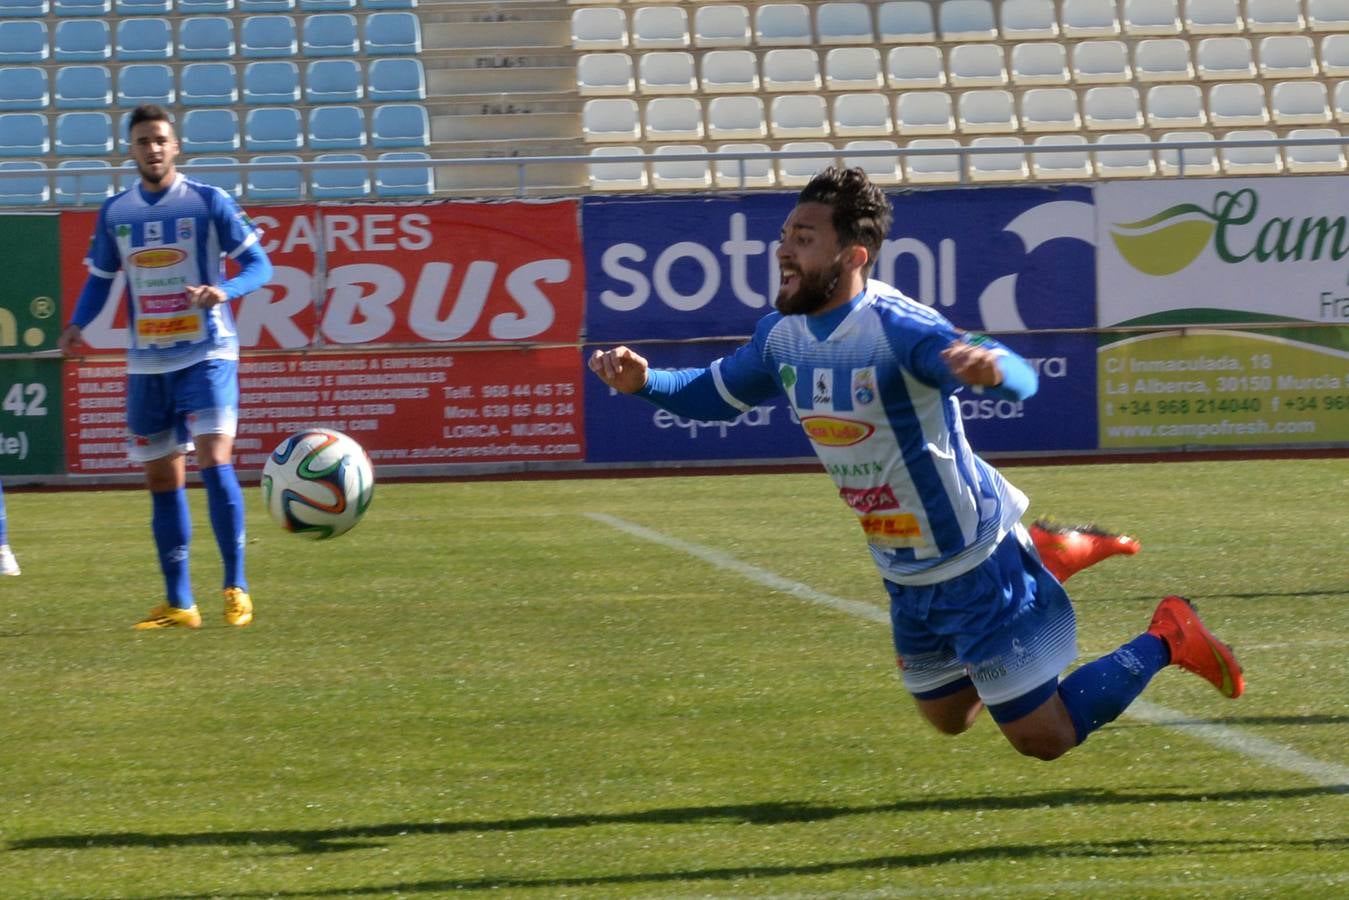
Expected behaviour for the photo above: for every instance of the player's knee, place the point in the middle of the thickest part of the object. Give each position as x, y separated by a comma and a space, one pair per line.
1045, 746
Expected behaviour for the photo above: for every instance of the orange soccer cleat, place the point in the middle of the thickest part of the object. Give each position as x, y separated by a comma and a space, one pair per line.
1194, 648
1068, 549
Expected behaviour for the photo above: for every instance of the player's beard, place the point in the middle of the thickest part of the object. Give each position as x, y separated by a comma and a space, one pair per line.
158, 181
812, 292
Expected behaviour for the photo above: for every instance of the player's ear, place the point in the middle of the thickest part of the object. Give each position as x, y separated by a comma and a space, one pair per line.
856, 257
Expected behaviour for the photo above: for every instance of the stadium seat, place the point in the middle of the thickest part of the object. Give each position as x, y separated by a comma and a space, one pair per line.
88, 182
274, 177
1287, 56
204, 7
265, 6
272, 81
1009, 166
31, 190
144, 38
271, 128
987, 112
1112, 108
25, 8
1101, 62
1341, 102
599, 29
605, 74
206, 37
392, 34
880, 169
336, 128
729, 71
976, 65
404, 181
143, 7
617, 176
1040, 63
736, 118
1299, 103
333, 81
967, 20
795, 172
1088, 19
721, 25
208, 84
1151, 18
1219, 58
268, 37
680, 174
929, 167
1163, 59
1050, 109
328, 5
210, 131
398, 125
1214, 17
23, 41
1064, 165
673, 119
1029, 20
1274, 15
782, 24
1188, 162
791, 69
338, 183
1123, 163
1176, 106
905, 22
862, 115
912, 68
853, 69
610, 119
741, 173
81, 7
24, 134
667, 72
83, 87
331, 34
1267, 160
82, 40
843, 23
798, 116
395, 78
393, 4
139, 83
83, 134
924, 112
229, 182
1237, 104
24, 87
1312, 158
660, 28
1335, 56
1327, 15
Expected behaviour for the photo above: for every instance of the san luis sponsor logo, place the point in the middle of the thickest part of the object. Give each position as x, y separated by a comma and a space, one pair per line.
834, 432
157, 258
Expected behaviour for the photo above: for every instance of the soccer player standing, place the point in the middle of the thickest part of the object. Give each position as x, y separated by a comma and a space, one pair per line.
978, 621
168, 235
8, 564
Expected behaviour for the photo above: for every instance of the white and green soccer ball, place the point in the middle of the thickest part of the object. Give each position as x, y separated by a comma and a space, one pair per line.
318, 483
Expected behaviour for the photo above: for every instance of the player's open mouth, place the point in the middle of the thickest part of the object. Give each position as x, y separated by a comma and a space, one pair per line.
788, 278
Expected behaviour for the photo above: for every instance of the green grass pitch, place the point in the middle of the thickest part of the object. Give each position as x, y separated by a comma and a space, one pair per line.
488, 687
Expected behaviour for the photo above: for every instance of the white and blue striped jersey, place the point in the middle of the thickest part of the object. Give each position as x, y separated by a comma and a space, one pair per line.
877, 402
163, 246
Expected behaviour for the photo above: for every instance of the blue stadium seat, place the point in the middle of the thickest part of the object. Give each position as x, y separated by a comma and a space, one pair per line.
29, 190
24, 87
127, 175
273, 128
82, 40
265, 6
23, 41
336, 128
267, 37
392, 34
327, 5
389, 4
271, 81
229, 182
143, 7
91, 186
139, 83
206, 37
82, 7
210, 131
83, 87
339, 183
400, 125
272, 180
404, 181
24, 134
14, 9
333, 81
208, 84
144, 38
330, 34
395, 78
204, 7
84, 134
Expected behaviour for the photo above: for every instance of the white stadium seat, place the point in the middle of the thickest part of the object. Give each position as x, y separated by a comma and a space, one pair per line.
799, 116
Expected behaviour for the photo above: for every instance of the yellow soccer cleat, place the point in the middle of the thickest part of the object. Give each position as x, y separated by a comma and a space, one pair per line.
165, 616
238, 607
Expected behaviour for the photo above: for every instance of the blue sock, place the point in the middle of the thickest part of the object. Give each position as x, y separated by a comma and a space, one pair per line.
1098, 692
172, 528
225, 502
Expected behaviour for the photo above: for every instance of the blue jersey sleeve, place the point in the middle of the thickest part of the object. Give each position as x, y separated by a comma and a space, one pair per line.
104, 259
729, 386
236, 231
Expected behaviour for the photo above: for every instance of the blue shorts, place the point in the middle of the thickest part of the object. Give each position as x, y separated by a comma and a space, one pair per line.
1006, 626
166, 410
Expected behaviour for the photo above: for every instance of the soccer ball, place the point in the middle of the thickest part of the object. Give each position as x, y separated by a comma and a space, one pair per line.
318, 483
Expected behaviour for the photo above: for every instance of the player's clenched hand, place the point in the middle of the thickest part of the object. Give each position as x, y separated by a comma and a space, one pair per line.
69, 340
973, 364
620, 368
205, 296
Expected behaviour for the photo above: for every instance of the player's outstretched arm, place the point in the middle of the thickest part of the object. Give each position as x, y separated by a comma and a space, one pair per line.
621, 368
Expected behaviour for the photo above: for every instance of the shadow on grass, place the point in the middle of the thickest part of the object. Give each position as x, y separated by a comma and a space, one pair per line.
358, 837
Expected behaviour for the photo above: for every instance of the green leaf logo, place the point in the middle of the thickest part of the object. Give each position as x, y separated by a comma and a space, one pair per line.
788, 375
1167, 242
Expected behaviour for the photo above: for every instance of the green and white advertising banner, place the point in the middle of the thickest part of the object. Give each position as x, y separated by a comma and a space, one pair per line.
1229, 301
30, 322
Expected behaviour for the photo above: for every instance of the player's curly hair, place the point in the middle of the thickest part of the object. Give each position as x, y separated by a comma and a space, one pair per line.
148, 112
862, 213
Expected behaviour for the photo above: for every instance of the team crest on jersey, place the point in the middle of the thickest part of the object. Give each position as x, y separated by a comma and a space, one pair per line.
154, 233
824, 388
124, 231
864, 386
185, 229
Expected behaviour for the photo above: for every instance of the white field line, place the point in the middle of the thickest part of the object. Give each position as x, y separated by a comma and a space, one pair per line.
1323, 773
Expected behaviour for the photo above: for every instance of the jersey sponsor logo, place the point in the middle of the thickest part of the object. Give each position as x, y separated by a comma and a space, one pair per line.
185, 228
167, 329
154, 232
824, 388
866, 500
900, 530
158, 304
157, 258
835, 432
864, 386
788, 375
